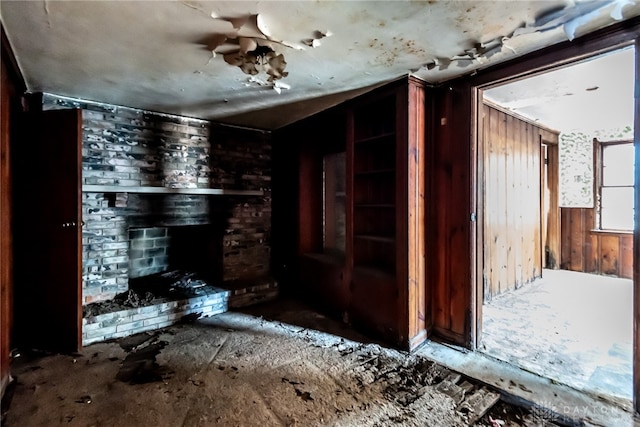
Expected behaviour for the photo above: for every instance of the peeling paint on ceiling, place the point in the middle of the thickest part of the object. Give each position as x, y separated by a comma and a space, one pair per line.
160, 55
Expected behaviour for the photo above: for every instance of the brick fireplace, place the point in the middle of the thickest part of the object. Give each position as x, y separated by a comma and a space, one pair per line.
163, 192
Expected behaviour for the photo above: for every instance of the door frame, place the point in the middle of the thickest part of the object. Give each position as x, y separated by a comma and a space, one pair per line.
611, 38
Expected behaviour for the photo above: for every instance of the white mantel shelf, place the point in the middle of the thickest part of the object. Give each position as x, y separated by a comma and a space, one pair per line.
167, 190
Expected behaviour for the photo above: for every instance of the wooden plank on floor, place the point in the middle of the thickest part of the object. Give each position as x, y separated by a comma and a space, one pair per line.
452, 390
478, 403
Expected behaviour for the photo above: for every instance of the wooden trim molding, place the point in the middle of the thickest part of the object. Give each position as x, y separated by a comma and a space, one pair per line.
636, 242
604, 40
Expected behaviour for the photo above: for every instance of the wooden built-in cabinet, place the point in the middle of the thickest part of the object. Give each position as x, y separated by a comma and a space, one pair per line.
374, 186
378, 282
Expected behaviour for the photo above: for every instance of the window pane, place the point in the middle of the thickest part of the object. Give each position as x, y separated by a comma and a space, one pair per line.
617, 164
334, 203
617, 208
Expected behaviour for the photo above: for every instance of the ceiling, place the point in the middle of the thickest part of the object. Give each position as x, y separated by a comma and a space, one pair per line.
157, 55
593, 95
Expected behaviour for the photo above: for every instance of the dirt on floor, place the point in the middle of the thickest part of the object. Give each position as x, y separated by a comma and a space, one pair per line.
244, 369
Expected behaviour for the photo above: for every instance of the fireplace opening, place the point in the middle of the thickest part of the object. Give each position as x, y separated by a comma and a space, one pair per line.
168, 263
160, 253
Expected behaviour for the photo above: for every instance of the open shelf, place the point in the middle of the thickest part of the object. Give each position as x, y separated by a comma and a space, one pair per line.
375, 138
374, 186
376, 238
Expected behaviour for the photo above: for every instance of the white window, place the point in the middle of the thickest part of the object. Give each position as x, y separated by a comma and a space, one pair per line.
615, 190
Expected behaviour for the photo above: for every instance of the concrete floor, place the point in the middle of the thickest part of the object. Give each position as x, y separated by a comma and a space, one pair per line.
236, 369
282, 364
574, 328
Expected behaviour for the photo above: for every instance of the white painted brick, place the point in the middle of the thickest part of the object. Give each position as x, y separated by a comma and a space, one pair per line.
150, 309
101, 332
128, 326
119, 162
144, 316
118, 245
155, 320
105, 316
90, 327
115, 259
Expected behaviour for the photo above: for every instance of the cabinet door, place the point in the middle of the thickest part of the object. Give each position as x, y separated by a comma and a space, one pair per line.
48, 305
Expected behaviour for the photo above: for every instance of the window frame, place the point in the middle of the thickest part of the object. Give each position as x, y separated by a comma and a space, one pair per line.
598, 168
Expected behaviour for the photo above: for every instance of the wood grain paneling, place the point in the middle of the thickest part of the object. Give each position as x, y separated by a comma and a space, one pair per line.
449, 264
552, 241
416, 188
589, 251
12, 88
636, 237
513, 229
626, 256
6, 279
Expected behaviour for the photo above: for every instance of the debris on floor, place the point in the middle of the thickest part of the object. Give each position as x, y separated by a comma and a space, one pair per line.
140, 365
151, 290
238, 369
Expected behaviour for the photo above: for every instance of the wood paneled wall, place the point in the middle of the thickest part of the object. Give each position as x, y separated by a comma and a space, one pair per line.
5, 233
12, 87
594, 251
515, 215
449, 260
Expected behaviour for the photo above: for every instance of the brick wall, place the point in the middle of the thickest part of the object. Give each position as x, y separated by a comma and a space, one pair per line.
128, 148
148, 251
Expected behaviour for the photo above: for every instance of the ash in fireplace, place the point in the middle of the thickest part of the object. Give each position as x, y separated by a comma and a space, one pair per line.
152, 290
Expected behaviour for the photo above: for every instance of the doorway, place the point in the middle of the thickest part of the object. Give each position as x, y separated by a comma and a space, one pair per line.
556, 285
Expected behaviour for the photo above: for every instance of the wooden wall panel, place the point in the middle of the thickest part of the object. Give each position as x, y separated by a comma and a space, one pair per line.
5, 233
591, 242
12, 88
513, 244
513, 231
626, 256
450, 266
416, 188
552, 242
609, 254
576, 227
636, 238
591, 251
